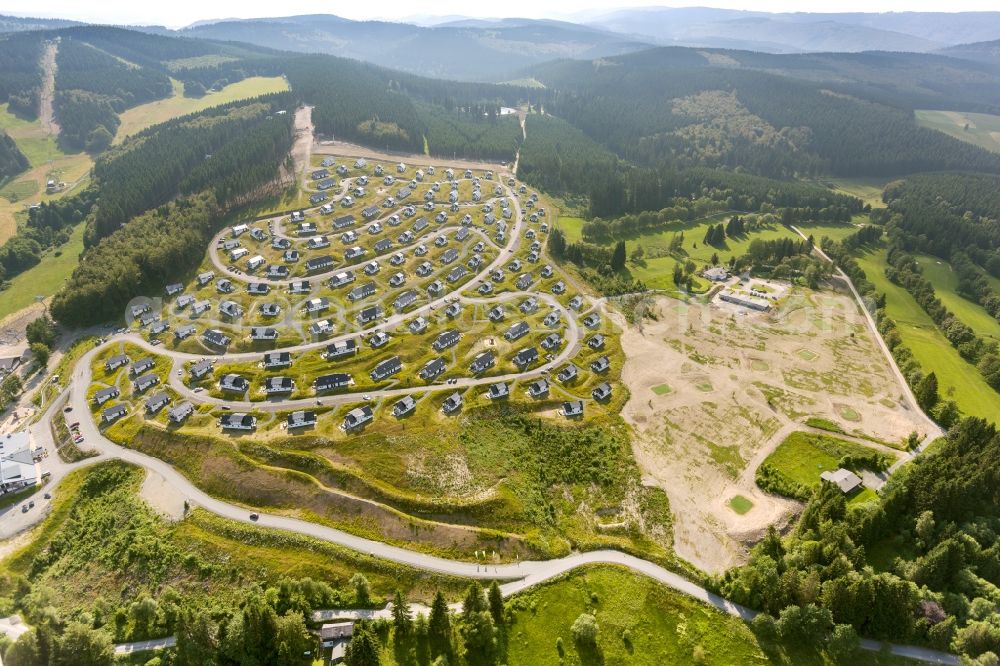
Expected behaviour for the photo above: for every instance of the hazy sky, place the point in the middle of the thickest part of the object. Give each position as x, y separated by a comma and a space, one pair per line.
176, 13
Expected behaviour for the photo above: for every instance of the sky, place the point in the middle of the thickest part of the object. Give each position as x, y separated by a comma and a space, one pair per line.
178, 13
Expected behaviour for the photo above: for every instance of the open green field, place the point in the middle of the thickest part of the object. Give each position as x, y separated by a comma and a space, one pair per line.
980, 129
958, 379
44, 279
868, 190
642, 622
945, 283
803, 456
145, 115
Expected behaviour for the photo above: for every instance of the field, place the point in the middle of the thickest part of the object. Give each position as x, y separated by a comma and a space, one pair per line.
44, 279
99, 509
868, 190
980, 129
958, 380
802, 457
47, 162
644, 623
945, 286
140, 117
740, 384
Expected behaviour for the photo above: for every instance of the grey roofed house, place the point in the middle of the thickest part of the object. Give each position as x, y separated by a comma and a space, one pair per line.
318, 198
518, 330
596, 341
258, 288
600, 364
592, 320
844, 479
576, 302
180, 413
224, 286
435, 288
277, 359
716, 274
524, 280
551, 341
301, 419
404, 406
352, 253
406, 299
457, 273
141, 366
572, 409
306, 228
453, 310
230, 245
237, 421
157, 402
233, 383
446, 339
184, 332
452, 403
9, 365
344, 221
449, 255
342, 278
332, 382
370, 211
370, 314
321, 328
288, 256
552, 318
432, 369
174, 288
105, 394
231, 309
386, 368
602, 391
319, 304
278, 385
357, 417
279, 243
317, 242
113, 413
497, 313
361, 291
300, 287
148, 318
529, 305
325, 184
525, 357
184, 301
139, 310
258, 234
200, 306
201, 368
205, 278
383, 245
418, 325
319, 174
483, 361
462, 234
159, 326
145, 382
115, 362
270, 309
419, 225
319, 263
546, 271
263, 333
498, 391
538, 388
568, 373
341, 348
425, 269
559, 288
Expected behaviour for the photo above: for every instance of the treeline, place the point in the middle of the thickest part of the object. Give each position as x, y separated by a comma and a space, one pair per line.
478, 132
12, 160
942, 509
682, 210
93, 87
600, 266
232, 149
944, 213
150, 251
21, 72
974, 285
904, 270
559, 158
48, 225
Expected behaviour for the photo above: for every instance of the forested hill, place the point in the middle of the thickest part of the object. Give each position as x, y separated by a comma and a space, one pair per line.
12, 160
704, 108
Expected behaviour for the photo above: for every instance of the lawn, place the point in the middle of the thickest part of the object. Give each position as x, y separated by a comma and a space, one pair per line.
661, 389
945, 286
803, 456
980, 129
641, 622
44, 279
145, 115
740, 504
957, 378
868, 190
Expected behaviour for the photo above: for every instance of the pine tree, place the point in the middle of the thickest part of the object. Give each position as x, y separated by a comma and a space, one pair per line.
402, 618
618, 256
927, 392
439, 627
496, 604
363, 650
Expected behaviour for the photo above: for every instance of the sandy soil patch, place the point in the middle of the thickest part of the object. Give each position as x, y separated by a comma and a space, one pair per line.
161, 496
739, 385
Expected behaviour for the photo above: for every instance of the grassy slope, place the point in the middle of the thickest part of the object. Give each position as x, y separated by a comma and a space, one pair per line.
959, 380
145, 115
47, 161
663, 626
945, 285
45, 278
984, 129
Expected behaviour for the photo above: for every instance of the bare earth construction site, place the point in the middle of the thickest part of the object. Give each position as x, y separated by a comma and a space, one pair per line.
715, 388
